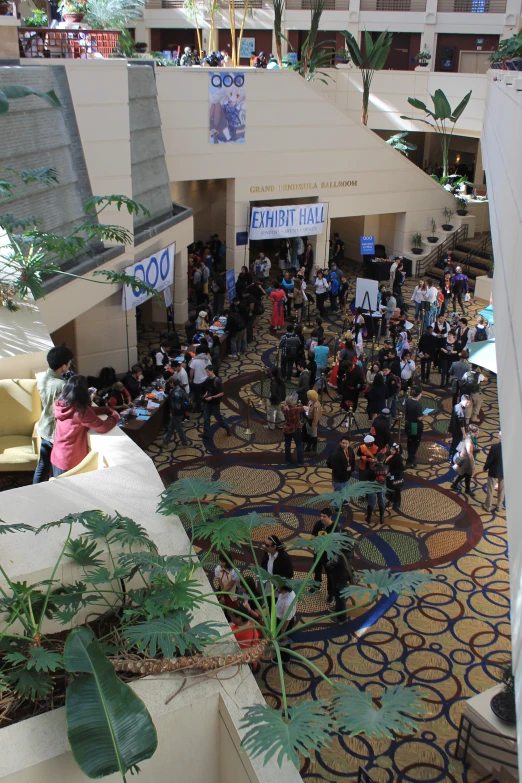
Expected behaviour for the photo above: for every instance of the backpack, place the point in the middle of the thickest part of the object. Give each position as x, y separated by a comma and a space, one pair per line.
470, 383
292, 345
481, 335
334, 285
178, 401
380, 473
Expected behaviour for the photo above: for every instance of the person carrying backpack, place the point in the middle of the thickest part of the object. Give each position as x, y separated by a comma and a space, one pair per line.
379, 473
470, 385
178, 403
334, 291
289, 346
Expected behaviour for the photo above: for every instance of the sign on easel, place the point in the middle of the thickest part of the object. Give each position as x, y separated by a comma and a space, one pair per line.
366, 293
367, 246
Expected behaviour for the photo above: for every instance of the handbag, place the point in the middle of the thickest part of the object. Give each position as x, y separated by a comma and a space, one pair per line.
467, 297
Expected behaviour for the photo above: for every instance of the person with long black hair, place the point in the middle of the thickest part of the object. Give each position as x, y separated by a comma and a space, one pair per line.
75, 416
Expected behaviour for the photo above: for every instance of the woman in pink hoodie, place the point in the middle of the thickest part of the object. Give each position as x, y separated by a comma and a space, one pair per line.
74, 418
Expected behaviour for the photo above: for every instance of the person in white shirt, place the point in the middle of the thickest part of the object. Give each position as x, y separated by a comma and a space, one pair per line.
431, 303
198, 375
418, 297
407, 370
162, 357
393, 270
286, 607
228, 581
181, 374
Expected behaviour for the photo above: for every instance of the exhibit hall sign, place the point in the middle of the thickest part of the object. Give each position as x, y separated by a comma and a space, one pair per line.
156, 270
298, 220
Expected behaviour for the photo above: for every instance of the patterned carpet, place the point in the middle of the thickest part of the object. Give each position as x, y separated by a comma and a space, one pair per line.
448, 641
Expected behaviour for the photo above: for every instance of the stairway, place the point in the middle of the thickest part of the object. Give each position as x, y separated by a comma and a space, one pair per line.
474, 255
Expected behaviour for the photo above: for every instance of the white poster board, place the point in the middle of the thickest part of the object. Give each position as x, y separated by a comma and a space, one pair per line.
363, 287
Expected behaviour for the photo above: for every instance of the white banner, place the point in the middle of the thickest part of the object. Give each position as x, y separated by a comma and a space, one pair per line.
300, 220
156, 270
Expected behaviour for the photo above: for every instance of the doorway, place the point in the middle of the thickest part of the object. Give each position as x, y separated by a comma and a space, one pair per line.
474, 62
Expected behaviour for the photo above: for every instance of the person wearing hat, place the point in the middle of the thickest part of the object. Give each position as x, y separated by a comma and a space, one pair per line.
201, 321
366, 453
313, 414
381, 429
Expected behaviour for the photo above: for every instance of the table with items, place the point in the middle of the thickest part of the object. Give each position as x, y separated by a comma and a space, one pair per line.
149, 413
379, 269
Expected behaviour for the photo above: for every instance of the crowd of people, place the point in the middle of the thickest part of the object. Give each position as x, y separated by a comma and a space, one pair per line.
422, 335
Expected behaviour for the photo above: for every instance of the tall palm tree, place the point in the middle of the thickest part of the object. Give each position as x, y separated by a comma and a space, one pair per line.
316, 7
279, 8
374, 59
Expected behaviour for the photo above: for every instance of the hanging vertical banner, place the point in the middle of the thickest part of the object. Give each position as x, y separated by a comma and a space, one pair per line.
299, 220
156, 270
227, 108
231, 285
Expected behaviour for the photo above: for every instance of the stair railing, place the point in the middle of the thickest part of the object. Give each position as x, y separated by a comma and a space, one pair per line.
485, 246
437, 254
479, 741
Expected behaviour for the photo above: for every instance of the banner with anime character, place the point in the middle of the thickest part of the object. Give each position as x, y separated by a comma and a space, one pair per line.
227, 101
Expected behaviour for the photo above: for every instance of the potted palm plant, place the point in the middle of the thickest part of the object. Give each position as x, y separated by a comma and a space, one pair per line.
462, 208
37, 19
416, 243
433, 238
448, 214
72, 11
422, 59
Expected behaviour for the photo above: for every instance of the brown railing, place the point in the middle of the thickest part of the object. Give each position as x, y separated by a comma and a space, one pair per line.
67, 44
393, 5
175, 4
472, 6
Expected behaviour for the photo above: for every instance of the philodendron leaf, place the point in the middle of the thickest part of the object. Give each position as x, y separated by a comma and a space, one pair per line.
336, 543
18, 527
270, 735
186, 490
355, 712
109, 728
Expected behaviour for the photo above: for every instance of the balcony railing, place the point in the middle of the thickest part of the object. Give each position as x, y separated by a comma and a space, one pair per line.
472, 6
393, 5
305, 5
67, 44
179, 4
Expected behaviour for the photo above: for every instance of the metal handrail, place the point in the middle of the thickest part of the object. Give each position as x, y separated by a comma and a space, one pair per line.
436, 255
364, 777
474, 252
468, 743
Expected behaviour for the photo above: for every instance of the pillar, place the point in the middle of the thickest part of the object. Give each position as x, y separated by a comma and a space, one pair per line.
321, 247
237, 221
142, 33
180, 294
478, 176
427, 148
101, 337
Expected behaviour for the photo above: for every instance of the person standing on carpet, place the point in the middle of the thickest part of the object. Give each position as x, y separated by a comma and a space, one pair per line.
213, 395
278, 297
413, 425
495, 471
313, 413
464, 464
292, 429
276, 559
457, 425
342, 464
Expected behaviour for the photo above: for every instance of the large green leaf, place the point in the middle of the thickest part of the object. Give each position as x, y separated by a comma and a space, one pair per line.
442, 105
386, 582
460, 108
11, 91
186, 490
281, 581
270, 735
336, 543
355, 712
18, 527
152, 563
172, 634
130, 534
44, 660
29, 685
84, 553
355, 490
109, 727
353, 48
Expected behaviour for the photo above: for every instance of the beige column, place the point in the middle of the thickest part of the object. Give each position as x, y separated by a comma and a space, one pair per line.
101, 337
180, 293
427, 148
321, 247
237, 221
478, 176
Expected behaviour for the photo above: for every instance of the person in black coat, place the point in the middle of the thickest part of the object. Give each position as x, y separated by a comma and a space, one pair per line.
277, 386
377, 396
495, 471
341, 462
352, 381
382, 430
394, 480
428, 347
276, 559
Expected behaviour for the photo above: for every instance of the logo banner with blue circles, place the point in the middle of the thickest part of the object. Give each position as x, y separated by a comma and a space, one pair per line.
156, 270
227, 108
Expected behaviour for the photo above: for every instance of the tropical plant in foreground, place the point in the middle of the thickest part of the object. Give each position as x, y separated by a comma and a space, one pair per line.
140, 607
113, 14
398, 142
308, 726
374, 59
443, 120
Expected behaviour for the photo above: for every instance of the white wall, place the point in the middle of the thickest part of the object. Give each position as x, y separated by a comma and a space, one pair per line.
390, 92
24, 342
503, 166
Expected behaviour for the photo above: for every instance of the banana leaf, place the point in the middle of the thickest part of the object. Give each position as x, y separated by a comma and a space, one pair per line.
109, 727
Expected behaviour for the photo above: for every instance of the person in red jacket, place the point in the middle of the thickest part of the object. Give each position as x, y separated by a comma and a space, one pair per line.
74, 418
